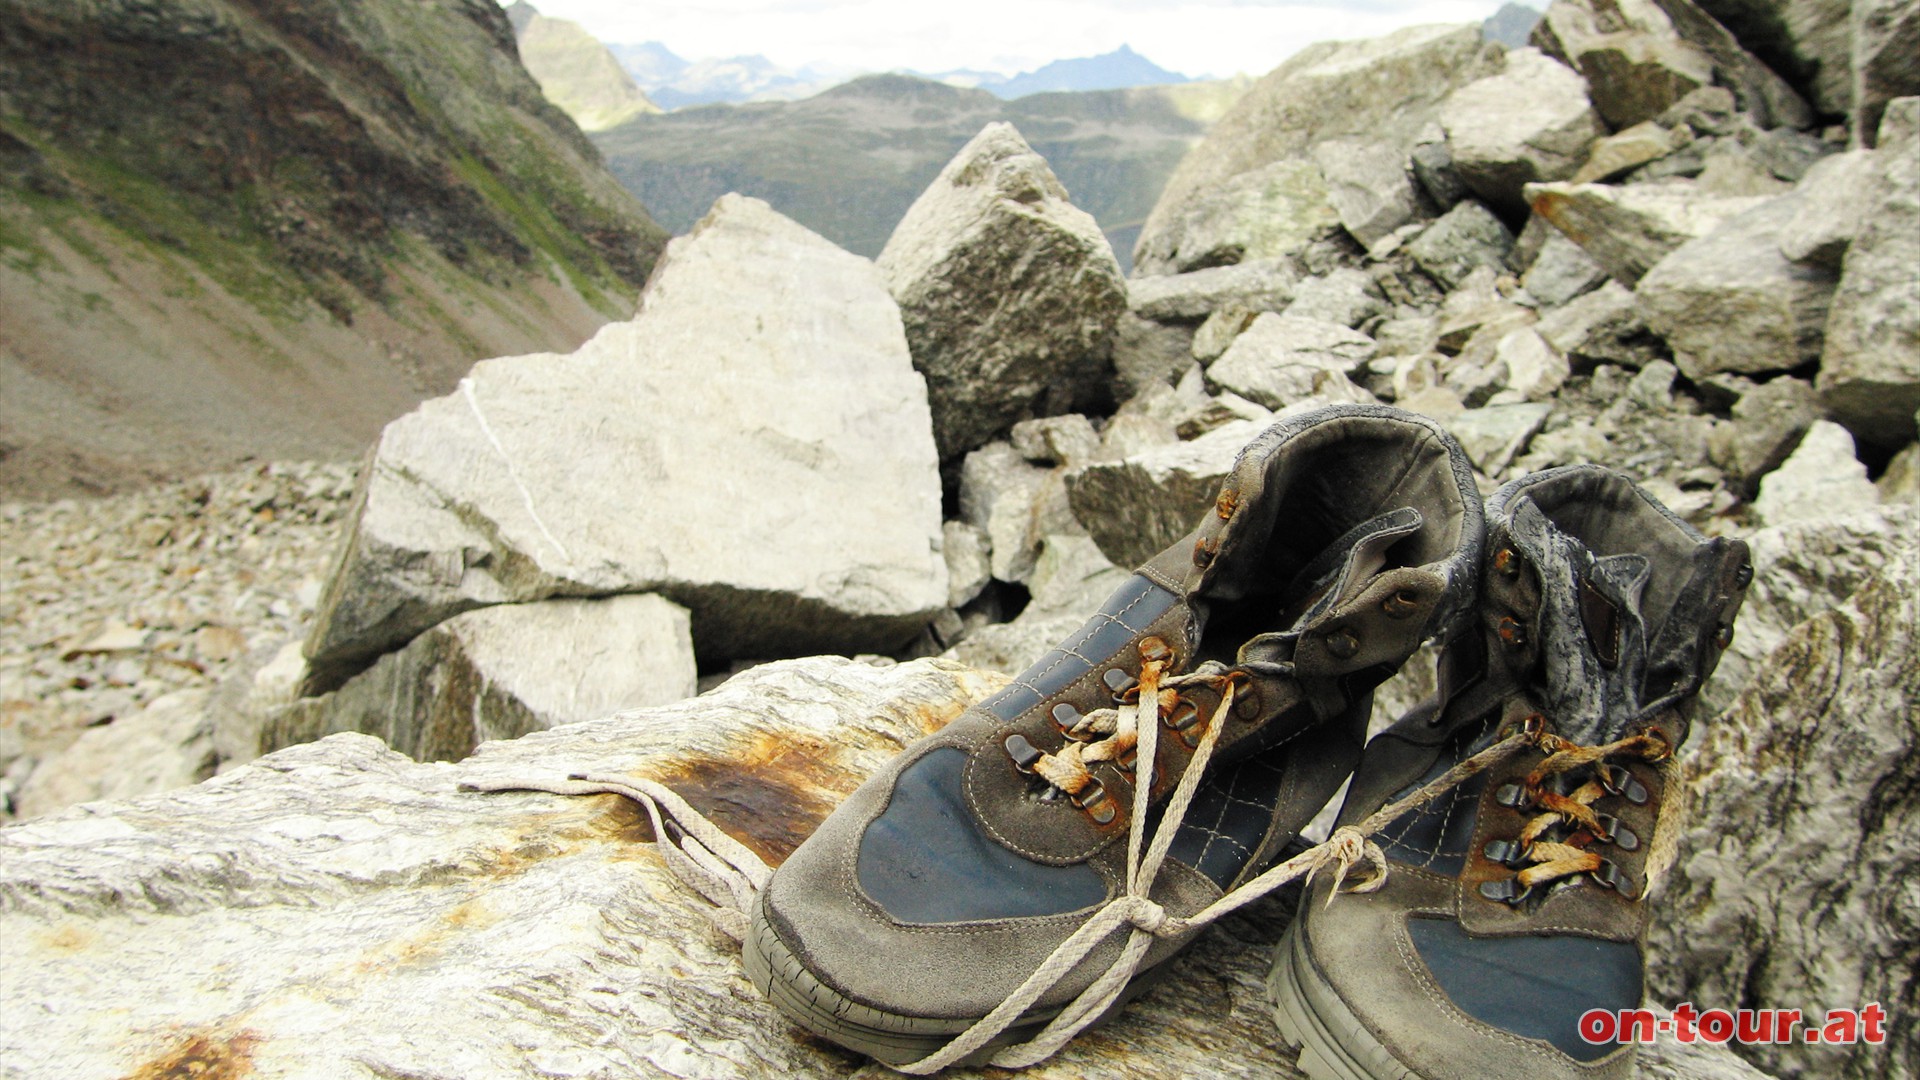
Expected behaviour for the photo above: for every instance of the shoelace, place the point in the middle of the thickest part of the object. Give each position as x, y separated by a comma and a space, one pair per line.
731, 877
1542, 861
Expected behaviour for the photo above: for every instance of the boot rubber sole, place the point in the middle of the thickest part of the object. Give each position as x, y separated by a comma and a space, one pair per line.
887, 1037
1334, 1044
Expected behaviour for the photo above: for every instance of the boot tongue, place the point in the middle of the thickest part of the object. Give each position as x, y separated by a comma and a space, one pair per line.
1335, 576
1594, 643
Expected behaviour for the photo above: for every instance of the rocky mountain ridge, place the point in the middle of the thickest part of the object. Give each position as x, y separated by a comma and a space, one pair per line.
339, 209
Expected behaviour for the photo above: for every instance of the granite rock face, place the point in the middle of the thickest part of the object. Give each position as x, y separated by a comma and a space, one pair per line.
755, 445
1009, 293
500, 672
1795, 888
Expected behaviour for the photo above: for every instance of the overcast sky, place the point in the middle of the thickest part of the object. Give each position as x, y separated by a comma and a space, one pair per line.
1217, 37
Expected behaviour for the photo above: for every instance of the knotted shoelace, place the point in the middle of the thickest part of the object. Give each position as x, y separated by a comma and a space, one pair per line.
731, 877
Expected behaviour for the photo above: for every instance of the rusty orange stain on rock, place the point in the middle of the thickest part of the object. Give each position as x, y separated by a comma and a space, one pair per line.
772, 794
68, 938
204, 1055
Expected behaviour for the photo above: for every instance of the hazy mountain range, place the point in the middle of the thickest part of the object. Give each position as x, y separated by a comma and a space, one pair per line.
848, 162
673, 82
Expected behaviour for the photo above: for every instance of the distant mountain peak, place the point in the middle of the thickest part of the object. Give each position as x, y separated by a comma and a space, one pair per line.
1116, 70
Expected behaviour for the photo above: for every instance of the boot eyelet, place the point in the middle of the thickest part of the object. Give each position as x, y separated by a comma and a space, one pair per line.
1610, 875
1119, 683
1506, 562
1065, 717
1023, 753
1093, 799
1615, 832
1618, 781
1154, 649
1343, 643
1507, 891
1508, 853
1512, 634
1514, 796
1723, 637
1401, 604
1743, 577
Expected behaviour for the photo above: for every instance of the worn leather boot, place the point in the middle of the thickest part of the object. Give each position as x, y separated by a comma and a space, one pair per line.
1340, 540
1516, 902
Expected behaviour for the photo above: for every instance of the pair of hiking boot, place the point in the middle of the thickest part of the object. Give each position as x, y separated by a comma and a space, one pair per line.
1021, 873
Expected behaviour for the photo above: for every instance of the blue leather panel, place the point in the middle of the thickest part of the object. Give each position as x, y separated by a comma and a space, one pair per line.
1131, 609
925, 860
1532, 986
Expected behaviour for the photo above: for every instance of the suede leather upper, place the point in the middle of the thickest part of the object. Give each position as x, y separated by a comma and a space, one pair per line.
1340, 541
1601, 613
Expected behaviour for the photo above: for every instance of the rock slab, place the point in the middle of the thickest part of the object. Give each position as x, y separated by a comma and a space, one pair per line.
502, 671
754, 445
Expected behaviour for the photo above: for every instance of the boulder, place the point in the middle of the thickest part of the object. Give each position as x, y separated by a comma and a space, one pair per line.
1276, 210
1628, 229
1368, 186
1496, 435
502, 671
1347, 296
1221, 328
1602, 327
1886, 38
1642, 56
1806, 41
1004, 495
1147, 353
1431, 160
1464, 239
1056, 440
167, 745
1768, 421
1822, 478
969, 568
1259, 284
754, 445
1800, 570
1382, 91
1627, 150
1532, 122
1730, 301
1830, 203
1634, 72
1535, 370
1283, 359
1794, 888
1010, 294
1870, 369
1561, 271
1071, 579
1135, 507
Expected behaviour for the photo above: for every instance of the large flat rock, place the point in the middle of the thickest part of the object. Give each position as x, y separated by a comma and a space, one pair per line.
1009, 292
1532, 122
754, 445
1629, 229
339, 910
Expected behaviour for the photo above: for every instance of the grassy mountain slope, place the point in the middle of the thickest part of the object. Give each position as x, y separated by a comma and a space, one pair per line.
237, 228
847, 163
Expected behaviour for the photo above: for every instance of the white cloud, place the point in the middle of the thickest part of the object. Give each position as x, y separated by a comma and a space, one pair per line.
1197, 37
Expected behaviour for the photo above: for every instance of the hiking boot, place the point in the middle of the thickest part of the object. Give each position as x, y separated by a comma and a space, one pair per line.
1516, 902
1340, 540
